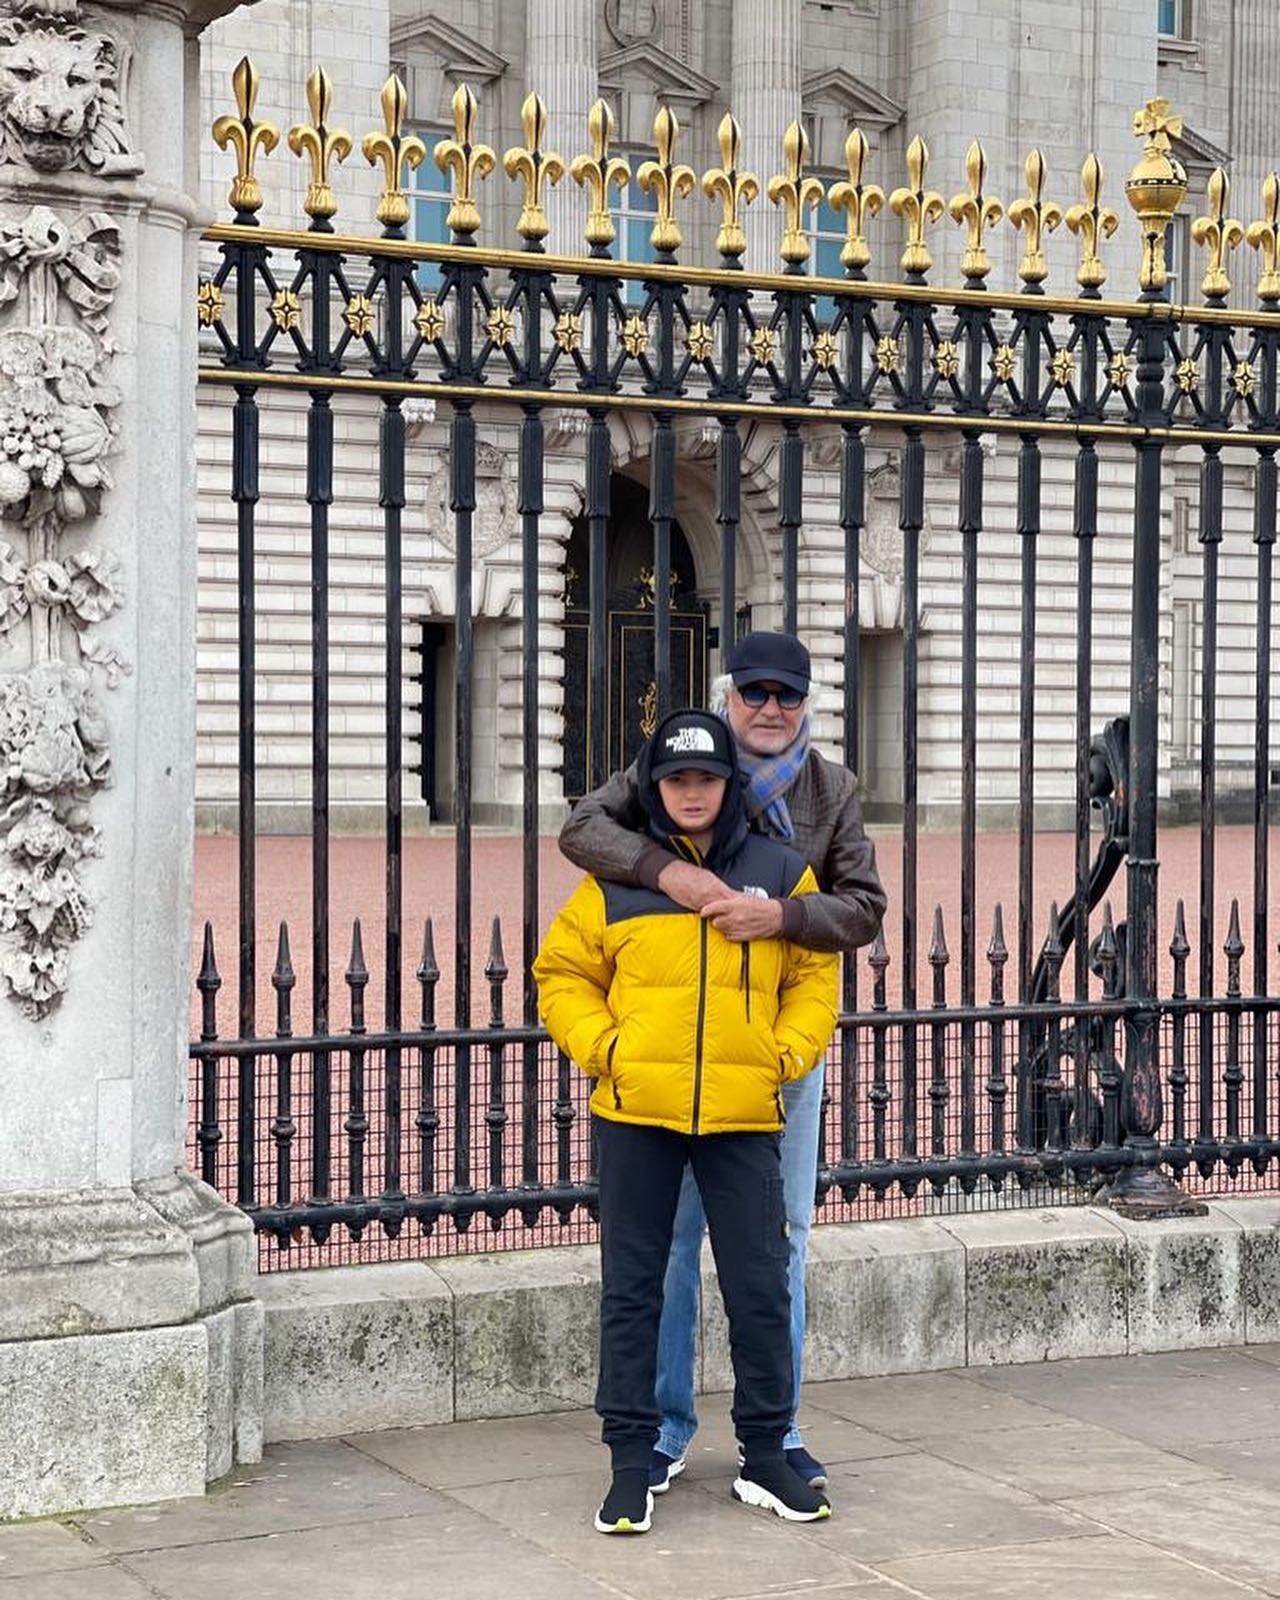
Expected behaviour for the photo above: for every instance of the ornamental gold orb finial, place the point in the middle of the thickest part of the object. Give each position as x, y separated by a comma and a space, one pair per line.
978, 211
597, 171
735, 188
668, 180
1155, 188
320, 144
1264, 237
248, 137
858, 200
535, 166
793, 190
1034, 216
1220, 233
396, 150
1091, 222
467, 162
919, 206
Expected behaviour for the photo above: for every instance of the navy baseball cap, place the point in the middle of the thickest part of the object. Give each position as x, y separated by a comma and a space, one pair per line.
691, 740
769, 658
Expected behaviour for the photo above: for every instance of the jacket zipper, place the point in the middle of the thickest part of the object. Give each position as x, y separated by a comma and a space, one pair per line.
702, 1018
746, 974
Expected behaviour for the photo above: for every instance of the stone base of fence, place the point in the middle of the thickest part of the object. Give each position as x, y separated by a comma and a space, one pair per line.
357, 1348
130, 1346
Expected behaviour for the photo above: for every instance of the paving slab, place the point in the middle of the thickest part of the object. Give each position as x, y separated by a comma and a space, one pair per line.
1065, 1459
1193, 1396
29, 1547
403, 1559
499, 1451
916, 1404
913, 1504
1229, 1527
295, 1486
702, 1546
88, 1583
1256, 1460
1104, 1565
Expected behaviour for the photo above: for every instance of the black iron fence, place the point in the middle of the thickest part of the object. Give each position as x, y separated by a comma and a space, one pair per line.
409, 1129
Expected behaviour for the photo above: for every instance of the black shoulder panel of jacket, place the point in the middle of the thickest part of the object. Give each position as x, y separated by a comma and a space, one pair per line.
760, 866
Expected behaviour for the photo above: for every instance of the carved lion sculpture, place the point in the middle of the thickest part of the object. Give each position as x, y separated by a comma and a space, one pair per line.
59, 96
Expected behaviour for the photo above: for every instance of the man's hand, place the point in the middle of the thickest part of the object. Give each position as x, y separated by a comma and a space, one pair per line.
745, 916
689, 886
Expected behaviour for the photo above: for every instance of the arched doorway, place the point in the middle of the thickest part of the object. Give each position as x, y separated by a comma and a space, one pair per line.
629, 685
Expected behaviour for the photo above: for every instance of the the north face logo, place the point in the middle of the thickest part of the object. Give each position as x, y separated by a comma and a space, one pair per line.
691, 741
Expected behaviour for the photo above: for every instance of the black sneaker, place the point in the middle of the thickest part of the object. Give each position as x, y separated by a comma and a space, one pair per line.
802, 1463
628, 1507
663, 1469
780, 1489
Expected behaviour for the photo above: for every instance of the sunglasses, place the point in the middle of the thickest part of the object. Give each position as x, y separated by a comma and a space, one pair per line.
756, 695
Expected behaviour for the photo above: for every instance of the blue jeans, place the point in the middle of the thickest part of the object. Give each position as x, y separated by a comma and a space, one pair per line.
802, 1101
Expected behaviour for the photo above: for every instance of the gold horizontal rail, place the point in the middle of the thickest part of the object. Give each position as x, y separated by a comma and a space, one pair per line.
710, 277
574, 399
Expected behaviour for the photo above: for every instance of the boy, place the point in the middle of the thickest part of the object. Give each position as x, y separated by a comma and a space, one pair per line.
690, 1038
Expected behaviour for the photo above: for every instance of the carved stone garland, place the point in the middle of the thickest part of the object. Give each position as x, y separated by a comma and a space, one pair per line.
58, 277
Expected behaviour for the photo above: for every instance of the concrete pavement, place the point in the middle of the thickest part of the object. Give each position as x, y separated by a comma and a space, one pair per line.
1145, 1478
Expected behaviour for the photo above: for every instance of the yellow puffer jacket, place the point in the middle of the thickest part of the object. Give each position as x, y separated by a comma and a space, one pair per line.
681, 1027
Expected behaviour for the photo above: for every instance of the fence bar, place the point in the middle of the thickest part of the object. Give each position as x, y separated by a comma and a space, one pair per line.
1028, 523
428, 1118
912, 522
1210, 543
997, 1080
597, 597
853, 516
790, 512
1264, 537
356, 1125
496, 1116
728, 515
1086, 530
530, 508
662, 510
209, 1130
462, 502
245, 489
283, 1128
971, 494
391, 497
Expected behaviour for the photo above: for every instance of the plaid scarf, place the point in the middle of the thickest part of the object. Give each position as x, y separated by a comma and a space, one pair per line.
766, 780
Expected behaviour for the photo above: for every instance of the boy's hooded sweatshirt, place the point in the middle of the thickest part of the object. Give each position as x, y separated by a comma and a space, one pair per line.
681, 1027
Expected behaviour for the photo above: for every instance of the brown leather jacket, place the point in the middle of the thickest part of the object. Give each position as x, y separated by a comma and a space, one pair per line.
605, 835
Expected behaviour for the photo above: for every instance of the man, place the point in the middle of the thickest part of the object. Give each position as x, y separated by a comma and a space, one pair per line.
794, 795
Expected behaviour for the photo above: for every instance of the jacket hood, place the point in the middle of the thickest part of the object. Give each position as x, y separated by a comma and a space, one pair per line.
731, 825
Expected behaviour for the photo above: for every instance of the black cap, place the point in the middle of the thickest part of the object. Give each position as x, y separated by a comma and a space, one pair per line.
691, 741
769, 658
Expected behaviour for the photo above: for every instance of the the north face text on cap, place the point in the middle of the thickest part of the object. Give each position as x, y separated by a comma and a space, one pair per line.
689, 742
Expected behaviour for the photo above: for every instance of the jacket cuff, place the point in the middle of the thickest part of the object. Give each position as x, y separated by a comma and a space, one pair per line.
650, 863
792, 918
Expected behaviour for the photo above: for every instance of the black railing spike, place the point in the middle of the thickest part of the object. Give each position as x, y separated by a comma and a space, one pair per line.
496, 968
283, 977
878, 959
428, 970
939, 955
208, 982
997, 950
1053, 948
1179, 948
1234, 946
357, 973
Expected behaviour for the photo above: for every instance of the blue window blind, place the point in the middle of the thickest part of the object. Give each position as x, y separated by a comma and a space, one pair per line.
636, 214
826, 240
431, 201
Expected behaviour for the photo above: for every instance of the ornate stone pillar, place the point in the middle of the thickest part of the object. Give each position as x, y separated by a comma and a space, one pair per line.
765, 97
130, 1341
560, 65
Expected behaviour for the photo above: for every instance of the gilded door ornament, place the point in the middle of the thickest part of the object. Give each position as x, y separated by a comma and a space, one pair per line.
648, 703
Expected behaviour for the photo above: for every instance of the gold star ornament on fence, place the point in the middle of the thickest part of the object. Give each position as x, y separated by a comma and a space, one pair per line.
429, 321
209, 303
699, 341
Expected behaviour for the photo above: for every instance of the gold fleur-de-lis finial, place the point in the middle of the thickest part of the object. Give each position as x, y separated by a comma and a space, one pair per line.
978, 211
1156, 187
794, 190
1091, 222
735, 188
468, 162
396, 150
858, 201
597, 171
1264, 237
1221, 233
535, 166
247, 137
1035, 216
918, 205
667, 179
321, 144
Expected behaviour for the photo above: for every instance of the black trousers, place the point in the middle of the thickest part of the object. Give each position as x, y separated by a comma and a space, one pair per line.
739, 1178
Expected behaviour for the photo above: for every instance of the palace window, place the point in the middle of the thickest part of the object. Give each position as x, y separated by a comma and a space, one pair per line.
636, 214
1173, 18
431, 197
826, 240
1176, 251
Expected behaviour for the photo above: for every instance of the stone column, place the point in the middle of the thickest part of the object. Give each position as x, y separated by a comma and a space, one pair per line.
765, 97
560, 65
130, 1339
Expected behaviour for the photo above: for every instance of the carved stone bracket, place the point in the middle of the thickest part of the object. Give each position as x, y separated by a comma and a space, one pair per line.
60, 107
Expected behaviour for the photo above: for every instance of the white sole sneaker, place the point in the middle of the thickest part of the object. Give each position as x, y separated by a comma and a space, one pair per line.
752, 1494
673, 1472
625, 1524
